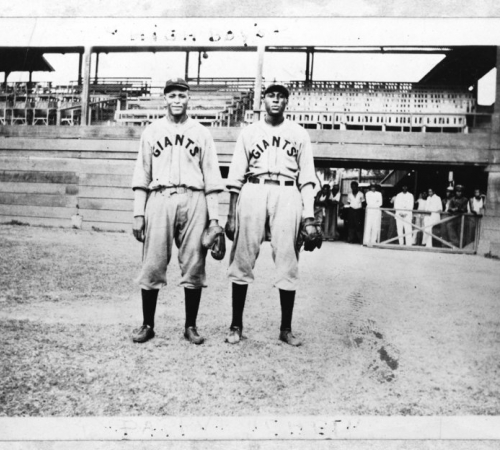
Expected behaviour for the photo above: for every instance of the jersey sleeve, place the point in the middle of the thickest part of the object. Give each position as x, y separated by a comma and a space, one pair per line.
210, 167
238, 167
305, 161
142, 171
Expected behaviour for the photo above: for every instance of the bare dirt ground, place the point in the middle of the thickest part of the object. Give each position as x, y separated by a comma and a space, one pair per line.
385, 332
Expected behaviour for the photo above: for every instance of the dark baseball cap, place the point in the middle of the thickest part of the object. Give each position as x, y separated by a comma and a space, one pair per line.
277, 88
176, 83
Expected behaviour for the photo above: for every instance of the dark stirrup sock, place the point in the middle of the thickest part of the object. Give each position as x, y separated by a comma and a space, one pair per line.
149, 299
192, 301
239, 297
287, 300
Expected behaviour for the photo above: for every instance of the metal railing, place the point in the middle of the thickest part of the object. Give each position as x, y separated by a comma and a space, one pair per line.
436, 231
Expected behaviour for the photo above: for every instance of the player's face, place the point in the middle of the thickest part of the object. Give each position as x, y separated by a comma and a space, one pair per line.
177, 102
275, 103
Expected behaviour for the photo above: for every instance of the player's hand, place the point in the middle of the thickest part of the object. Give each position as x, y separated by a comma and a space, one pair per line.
230, 227
138, 228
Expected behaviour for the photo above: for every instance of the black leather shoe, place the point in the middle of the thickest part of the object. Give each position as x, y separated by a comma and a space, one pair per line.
235, 335
191, 334
287, 337
143, 334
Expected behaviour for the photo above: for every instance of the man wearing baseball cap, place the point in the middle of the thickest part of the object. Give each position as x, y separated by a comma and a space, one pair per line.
271, 181
176, 184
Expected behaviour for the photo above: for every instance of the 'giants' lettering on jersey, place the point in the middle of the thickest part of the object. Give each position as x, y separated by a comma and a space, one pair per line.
180, 140
277, 142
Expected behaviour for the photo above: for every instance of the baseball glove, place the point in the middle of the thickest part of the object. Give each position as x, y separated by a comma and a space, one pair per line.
213, 239
310, 235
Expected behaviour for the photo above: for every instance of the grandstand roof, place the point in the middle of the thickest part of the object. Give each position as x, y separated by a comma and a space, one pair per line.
23, 60
462, 66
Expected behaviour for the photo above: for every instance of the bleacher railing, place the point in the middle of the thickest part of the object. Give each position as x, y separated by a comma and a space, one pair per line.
437, 231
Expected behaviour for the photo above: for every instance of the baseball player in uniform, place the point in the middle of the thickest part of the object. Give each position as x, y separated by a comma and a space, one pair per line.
176, 183
271, 181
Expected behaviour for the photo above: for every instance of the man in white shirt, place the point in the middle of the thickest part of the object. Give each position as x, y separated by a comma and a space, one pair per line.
403, 204
434, 206
476, 204
373, 215
419, 218
355, 201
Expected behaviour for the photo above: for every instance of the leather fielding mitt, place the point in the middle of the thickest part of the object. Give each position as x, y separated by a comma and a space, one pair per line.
310, 235
213, 239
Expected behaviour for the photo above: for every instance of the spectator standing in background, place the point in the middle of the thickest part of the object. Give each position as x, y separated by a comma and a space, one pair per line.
448, 196
476, 206
373, 215
457, 205
434, 206
355, 201
477, 203
419, 218
446, 204
403, 204
322, 199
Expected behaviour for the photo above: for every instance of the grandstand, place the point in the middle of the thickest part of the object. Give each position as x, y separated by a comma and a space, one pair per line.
327, 105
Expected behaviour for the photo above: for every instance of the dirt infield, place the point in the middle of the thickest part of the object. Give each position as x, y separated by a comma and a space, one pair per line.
385, 333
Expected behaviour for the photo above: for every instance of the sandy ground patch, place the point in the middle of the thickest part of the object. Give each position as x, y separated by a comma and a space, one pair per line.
385, 333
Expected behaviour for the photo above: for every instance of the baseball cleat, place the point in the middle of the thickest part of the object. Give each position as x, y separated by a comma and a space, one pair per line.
191, 334
287, 337
235, 335
143, 334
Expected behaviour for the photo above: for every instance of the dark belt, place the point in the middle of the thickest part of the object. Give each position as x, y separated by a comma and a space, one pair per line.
257, 180
173, 189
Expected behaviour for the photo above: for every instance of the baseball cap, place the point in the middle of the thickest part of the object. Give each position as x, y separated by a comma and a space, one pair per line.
449, 188
176, 83
459, 187
277, 88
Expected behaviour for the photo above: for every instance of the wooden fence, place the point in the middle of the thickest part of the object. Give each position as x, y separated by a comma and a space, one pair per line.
52, 180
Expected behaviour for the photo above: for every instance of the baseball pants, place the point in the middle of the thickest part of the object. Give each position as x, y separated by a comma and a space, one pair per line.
282, 207
180, 216
403, 225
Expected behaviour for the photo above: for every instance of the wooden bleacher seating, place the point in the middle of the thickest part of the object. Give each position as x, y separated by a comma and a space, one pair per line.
378, 106
210, 107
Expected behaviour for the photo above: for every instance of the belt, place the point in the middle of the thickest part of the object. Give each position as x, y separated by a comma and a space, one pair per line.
257, 180
174, 189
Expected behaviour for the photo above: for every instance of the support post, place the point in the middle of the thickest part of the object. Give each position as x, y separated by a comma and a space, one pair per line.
307, 67
186, 70
86, 86
96, 67
79, 79
312, 66
258, 83
29, 81
495, 119
199, 65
